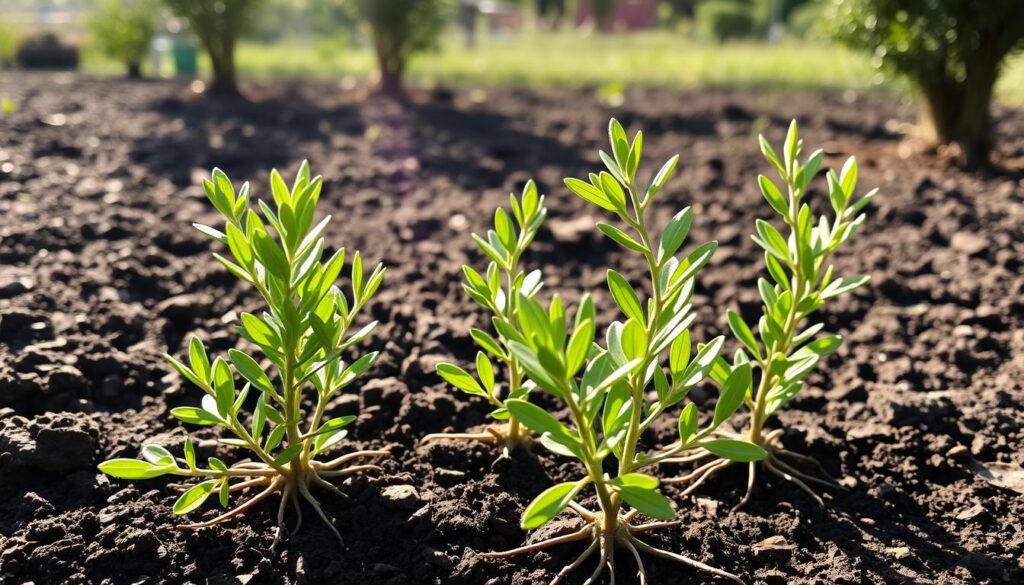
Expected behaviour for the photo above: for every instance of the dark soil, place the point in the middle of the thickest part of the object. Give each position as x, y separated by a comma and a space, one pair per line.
100, 273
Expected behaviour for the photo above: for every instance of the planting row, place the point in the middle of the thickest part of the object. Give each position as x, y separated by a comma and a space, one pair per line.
609, 389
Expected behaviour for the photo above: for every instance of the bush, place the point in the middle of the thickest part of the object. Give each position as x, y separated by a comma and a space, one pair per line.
8, 44
951, 50
218, 24
123, 30
46, 51
400, 28
722, 20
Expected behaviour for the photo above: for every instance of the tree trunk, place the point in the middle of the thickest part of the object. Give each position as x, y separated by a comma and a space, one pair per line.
222, 57
391, 66
134, 71
958, 112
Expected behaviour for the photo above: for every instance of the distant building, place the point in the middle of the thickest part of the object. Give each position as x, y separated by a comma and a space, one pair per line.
626, 14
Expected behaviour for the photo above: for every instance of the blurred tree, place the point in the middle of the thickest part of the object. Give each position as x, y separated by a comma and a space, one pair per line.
398, 29
218, 24
123, 30
550, 13
952, 50
603, 10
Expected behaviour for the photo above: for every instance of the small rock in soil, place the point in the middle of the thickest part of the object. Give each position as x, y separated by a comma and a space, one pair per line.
971, 513
401, 497
15, 286
774, 548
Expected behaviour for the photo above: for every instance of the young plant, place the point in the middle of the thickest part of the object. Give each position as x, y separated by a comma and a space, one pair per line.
784, 352
610, 405
498, 290
302, 335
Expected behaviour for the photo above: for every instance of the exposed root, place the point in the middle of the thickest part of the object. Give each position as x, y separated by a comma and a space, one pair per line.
605, 540
575, 564
316, 506
498, 436
350, 470
571, 537
274, 487
644, 547
339, 461
773, 463
291, 487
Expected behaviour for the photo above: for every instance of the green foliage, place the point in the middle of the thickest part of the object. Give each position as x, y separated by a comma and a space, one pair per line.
929, 38
951, 50
617, 390
9, 35
302, 336
498, 289
123, 29
784, 350
723, 20
399, 29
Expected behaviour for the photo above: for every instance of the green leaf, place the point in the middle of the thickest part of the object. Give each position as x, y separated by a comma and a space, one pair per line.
579, 346
190, 453
773, 196
194, 415
843, 285
648, 501
535, 418
674, 234
679, 354
133, 469
485, 370
461, 379
742, 332
194, 497
625, 297
735, 389
771, 240
157, 455
688, 423
272, 256
590, 193
250, 370
621, 238
664, 174
486, 341
224, 387
734, 450
291, 452
549, 504
640, 480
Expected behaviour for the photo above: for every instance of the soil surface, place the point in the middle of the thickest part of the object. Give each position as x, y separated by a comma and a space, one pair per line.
100, 273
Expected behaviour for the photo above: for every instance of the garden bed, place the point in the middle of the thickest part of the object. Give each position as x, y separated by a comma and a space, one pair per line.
100, 273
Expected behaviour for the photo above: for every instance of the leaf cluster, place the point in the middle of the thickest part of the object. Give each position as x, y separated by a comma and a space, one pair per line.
302, 335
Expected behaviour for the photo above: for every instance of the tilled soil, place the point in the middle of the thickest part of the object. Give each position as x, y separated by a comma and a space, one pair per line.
100, 273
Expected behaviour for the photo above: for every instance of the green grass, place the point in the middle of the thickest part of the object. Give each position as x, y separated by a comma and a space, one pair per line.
572, 59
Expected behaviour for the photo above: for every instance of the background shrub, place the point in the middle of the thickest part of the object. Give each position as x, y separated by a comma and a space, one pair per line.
124, 29
950, 49
218, 24
46, 51
398, 29
723, 20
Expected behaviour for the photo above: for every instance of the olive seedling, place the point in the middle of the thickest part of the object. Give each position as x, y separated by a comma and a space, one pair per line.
303, 335
498, 290
611, 405
784, 352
